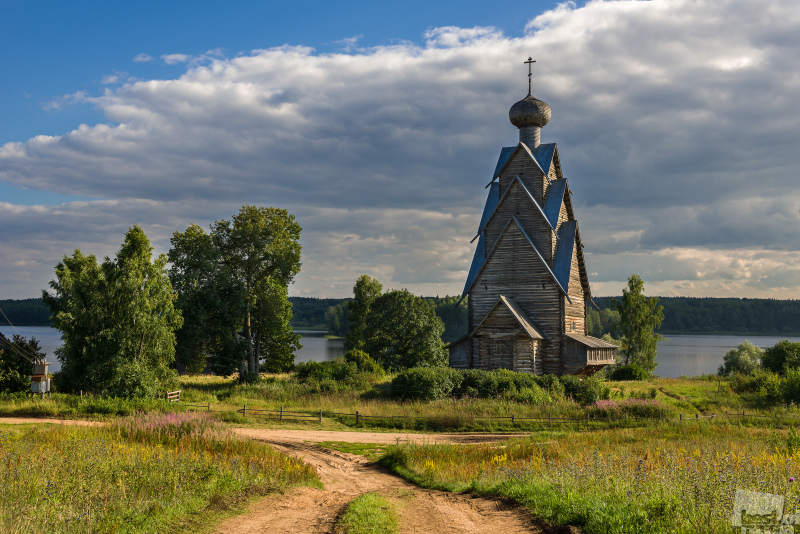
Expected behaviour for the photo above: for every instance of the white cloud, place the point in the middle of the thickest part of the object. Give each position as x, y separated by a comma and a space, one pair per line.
143, 58
674, 118
174, 59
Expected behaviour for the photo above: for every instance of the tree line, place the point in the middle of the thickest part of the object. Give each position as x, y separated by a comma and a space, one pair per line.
682, 315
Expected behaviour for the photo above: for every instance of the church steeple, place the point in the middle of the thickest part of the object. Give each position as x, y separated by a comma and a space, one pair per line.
530, 115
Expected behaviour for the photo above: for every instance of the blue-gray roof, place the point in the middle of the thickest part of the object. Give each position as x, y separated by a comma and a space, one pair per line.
505, 153
544, 156
563, 261
491, 204
555, 197
496, 186
477, 263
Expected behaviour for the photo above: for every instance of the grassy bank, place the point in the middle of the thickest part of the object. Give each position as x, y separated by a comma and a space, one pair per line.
149, 473
668, 479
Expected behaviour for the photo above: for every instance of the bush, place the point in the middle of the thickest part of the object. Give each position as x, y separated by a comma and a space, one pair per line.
744, 359
782, 356
427, 383
629, 372
364, 362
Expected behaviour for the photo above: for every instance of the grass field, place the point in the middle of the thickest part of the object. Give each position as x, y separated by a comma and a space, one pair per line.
148, 473
667, 479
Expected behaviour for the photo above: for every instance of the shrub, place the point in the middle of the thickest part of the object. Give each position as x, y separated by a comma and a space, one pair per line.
629, 372
427, 383
782, 356
364, 362
744, 359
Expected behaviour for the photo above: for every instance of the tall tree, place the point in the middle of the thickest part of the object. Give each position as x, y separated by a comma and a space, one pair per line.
211, 301
261, 248
403, 331
275, 340
16, 362
366, 290
117, 320
639, 317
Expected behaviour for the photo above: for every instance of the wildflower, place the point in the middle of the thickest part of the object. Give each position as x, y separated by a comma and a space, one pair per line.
791, 479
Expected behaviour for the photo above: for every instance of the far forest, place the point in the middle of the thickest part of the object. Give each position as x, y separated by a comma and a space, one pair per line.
682, 315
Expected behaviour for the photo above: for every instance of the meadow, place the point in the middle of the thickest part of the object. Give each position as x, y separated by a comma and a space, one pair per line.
145, 473
666, 480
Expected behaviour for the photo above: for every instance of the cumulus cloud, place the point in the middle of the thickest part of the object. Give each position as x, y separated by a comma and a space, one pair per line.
143, 58
674, 119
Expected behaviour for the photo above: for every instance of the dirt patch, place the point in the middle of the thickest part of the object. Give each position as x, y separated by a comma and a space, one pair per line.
347, 476
382, 438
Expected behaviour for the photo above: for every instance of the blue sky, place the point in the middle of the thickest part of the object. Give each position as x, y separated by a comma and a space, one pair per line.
378, 124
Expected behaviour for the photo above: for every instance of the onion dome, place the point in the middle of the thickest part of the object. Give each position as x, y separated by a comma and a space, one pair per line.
529, 111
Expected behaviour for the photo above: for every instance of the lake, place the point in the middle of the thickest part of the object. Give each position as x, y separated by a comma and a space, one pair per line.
679, 355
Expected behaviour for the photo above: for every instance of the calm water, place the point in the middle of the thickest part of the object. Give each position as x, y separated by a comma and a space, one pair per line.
680, 355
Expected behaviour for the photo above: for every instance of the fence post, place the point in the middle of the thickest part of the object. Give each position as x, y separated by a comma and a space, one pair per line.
281, 413
320, 417
550, 418
697, 416
512, 418
356, 416
587, 420
681, 418
244, 411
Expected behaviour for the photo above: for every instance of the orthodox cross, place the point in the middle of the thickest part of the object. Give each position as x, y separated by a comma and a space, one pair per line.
529, 62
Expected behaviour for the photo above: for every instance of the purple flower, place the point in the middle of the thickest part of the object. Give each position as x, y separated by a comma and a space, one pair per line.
791, 479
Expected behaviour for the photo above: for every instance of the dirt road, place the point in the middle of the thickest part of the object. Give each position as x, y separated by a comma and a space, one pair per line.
346, 476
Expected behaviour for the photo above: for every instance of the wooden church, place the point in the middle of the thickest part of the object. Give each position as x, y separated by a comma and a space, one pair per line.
527, 286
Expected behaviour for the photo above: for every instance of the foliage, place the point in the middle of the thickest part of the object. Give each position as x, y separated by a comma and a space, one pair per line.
784, 355
403, 331
744, 359
24, 312
310, 312
363, 361
337, 319
630, 407
639, 317
365, 292
629, 372
601, 322
426, 383
16, 362
140, 474
234, 279
369, 513
438, 383
453, 317
117, 320
211, 301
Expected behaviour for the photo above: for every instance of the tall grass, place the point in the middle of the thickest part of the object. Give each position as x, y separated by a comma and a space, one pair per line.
617, 481
141, 474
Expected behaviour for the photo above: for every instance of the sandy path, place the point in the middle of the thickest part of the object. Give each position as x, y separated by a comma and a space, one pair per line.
346, 476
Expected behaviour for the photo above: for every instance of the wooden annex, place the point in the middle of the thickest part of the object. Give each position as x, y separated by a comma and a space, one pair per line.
527, 286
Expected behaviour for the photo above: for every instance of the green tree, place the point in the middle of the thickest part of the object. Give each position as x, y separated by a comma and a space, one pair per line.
337, 319
16, 362
744, 359
275, 340
784, 355
454, 317
366, 290
211, 301
403, 331
639, 317
234, 280
117, 320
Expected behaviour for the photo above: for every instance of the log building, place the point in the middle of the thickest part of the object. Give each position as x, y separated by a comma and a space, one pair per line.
527, 286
